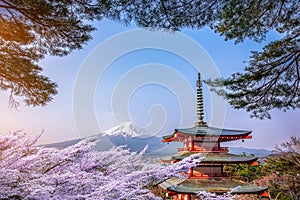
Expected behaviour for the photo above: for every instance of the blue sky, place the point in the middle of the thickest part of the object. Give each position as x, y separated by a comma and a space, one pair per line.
155, 88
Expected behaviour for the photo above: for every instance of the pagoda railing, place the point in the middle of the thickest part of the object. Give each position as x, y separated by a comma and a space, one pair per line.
206, 177
222, 149
197, 175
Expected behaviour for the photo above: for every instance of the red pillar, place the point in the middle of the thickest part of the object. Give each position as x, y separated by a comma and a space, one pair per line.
191, 172
193, 146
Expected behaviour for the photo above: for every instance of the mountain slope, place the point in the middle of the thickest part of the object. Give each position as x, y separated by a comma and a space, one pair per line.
127, 129
133, 137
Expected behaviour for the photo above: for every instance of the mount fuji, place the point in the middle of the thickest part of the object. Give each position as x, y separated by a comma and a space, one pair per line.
127, 129
126, 134
134, 138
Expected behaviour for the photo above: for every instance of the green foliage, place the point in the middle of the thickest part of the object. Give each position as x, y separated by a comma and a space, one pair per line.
253, 19
32, 29
161, 14
245, 172
271, 79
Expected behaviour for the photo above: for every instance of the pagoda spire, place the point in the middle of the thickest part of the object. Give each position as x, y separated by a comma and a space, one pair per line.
200, 109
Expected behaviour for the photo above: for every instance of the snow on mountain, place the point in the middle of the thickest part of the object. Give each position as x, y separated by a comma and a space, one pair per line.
127, 129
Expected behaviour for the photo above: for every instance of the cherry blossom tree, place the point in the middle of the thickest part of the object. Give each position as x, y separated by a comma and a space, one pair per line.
28, 171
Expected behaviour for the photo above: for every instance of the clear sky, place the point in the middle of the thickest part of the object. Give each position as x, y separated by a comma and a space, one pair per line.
146, 77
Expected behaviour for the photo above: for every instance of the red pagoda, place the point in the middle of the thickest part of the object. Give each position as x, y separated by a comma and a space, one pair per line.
208, 175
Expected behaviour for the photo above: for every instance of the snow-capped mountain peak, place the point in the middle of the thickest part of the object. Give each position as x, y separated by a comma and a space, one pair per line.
127, 129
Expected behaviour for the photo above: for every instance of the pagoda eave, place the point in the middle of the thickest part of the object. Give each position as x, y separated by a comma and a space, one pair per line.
212, 158
214, 185
207, 134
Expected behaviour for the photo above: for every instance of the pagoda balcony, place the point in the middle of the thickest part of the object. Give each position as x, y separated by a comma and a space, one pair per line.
199, 149
198, 175
210, 177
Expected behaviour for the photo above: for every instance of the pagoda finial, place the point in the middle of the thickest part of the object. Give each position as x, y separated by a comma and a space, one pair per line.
200, 113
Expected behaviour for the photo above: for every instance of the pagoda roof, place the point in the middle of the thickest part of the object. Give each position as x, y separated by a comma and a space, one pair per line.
214, 185
212, 157
207, 131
